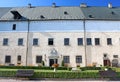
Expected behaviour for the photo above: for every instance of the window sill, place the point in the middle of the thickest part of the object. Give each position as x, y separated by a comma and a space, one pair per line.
109, 44
20, 45
80, 45
97, 45
35, 45
88, 45
67, 45
51, 45
5, 45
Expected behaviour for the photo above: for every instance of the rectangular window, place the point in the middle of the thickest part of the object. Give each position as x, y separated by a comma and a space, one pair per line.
19, 58
89, 41
66, 41
115, 56
14, 27
38, 59
109, 41
20, 41
35, 41
78, 59
5, 41
97, 41
7, 59
80, 41
66, 59
50, 41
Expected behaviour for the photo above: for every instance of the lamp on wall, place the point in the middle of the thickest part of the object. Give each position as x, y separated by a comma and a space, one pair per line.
45, 57
61, 56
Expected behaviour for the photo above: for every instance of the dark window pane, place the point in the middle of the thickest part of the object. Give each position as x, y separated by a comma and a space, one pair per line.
66, 41
80, 41
89, 41
5, 41
105, 55
19, 58
115, 56
97, 41
66, 59
109, 41
35, 41
7, 59
14, 27
38, 59
50, 41
20, 41
78, 59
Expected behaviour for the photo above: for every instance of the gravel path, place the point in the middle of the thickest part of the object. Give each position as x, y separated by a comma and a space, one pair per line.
18, 80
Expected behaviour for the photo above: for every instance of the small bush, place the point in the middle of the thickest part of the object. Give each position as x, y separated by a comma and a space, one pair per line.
55, 65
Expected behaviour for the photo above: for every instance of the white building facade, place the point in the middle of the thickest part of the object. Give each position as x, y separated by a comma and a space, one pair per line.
70, 35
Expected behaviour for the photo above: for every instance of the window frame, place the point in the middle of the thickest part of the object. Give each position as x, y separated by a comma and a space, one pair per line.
35, 41
50, 41
66, 59
66, 41
19, 57
5, 41
78, 59
115, 56
109, 41
14, 27
20, 43
89, 41
7, 59
39, 59
97, 41
80, 41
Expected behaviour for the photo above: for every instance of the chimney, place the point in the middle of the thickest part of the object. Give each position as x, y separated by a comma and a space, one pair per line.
83, 5
29, 5
53, 4
109, 5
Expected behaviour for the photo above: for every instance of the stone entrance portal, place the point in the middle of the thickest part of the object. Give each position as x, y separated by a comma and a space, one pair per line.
53, 58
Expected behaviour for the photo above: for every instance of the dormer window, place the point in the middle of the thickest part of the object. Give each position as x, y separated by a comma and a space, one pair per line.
112, 13
65, 12
16, 14
41, 16
91, 16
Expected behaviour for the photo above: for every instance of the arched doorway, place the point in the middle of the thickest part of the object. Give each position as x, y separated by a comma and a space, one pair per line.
106, 62
115, 63
52, 61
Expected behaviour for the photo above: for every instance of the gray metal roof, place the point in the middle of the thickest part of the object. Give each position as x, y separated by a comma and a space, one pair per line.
4, 10
62, 13
101, 13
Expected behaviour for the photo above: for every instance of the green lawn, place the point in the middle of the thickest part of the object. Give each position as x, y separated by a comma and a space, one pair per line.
41, 70
116, 69
37, 70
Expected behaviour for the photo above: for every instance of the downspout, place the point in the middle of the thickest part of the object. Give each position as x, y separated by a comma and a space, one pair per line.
27, 41
85, 41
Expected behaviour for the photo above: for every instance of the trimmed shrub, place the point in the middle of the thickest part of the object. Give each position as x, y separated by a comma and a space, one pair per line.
33, 67
7, 73
90, 68
65, 75
62, 75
